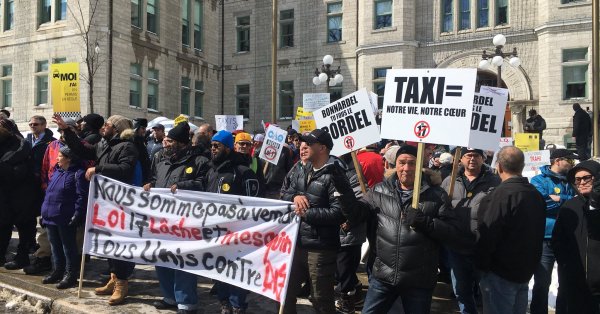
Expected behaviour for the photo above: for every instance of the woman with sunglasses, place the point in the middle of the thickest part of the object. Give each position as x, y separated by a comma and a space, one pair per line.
576, 243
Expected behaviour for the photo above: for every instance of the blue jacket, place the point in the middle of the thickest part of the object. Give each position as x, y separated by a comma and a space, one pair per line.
551, 183
66, 195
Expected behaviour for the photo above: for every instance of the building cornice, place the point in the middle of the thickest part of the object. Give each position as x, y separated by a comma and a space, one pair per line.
408, 43
550, 26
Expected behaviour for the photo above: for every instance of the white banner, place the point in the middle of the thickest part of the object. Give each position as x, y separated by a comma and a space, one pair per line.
535, 159
314, 101
244, 241
350, 122
487, 119
428, 105
229, 122
273, 145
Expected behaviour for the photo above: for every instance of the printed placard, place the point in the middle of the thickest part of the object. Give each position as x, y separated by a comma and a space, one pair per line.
64, 79
487, 118
314, 101
527, 141
534, 160
301, 114
429, 105
273, 144
229, 122
244, 241
350, 122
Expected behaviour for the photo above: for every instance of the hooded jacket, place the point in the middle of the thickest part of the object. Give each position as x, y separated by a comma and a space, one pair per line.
232, 176
66, 196
551, 183
319, 228
187, 169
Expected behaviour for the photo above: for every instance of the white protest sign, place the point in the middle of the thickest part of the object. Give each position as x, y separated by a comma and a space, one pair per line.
428, 105
273, 144
534, 160
373, 98
489, 106
504, 141
244, 241
229, 122
350, 122
314, 101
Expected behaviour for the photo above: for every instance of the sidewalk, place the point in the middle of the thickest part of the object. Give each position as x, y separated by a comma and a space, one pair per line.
143, 290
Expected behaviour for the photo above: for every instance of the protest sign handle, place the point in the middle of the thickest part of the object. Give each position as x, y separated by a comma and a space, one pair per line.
454, 172
81, 270
359, 173
418, 175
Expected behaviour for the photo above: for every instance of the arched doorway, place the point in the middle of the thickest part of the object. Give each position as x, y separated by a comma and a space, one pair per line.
486, 78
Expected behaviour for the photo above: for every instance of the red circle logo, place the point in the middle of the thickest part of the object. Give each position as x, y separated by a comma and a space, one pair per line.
349, 142
422, 129
270, 152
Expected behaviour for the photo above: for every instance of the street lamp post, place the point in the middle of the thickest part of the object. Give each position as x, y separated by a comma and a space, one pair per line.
327, 75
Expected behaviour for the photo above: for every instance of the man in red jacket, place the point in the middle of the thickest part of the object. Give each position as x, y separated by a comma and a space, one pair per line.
372, 164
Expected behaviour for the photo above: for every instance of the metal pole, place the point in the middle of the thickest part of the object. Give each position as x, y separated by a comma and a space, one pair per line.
595, 79
274, 64
499, 77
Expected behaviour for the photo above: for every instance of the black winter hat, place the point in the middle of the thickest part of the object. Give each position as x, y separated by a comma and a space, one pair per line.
591, 166
139, 123
94, 120
180, 133
406, 149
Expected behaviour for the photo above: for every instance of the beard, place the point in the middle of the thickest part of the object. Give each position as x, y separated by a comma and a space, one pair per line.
219, 157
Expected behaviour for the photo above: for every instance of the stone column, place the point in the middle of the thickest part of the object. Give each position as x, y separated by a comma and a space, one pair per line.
517, 112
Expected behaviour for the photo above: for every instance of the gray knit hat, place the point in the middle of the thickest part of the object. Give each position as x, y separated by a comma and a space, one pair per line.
120, 123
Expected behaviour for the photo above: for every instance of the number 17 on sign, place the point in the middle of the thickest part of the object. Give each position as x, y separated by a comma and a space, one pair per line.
422, 129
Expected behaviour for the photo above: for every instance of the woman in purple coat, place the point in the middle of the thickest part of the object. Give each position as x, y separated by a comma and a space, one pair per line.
63, 210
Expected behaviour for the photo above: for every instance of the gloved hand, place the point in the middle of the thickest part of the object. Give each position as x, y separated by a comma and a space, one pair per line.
595, 195
76, 220
418, 220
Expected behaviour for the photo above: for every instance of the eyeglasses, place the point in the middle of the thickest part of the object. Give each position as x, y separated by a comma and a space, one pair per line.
215, 145
244, 143
33, 124
472, 156
570, 161
583, 180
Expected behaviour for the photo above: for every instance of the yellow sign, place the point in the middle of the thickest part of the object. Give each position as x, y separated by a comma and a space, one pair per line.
179, 119
307, 125
527, 142
65, 87
303, 115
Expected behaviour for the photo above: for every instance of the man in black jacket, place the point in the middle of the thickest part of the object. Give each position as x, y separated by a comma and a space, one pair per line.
321, 215
228, 174
185, 170
511, 221
582, 129
407, 239
115, 158
90, 128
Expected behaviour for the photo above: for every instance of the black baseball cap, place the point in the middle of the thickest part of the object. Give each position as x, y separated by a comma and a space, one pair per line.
318, 136
159, 126
563, 153
466, 150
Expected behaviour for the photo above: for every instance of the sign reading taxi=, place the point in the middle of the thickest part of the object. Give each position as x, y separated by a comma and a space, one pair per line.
65, 89
428, 105
350, 122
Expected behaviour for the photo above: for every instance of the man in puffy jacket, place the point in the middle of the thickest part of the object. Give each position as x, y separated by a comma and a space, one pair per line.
115, 158
552, 183
321, 215
473, 182
407, 239
185, 170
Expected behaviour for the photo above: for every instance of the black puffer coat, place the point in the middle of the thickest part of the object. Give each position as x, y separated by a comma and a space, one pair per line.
187, 169
232, 176
115, 158
319, 228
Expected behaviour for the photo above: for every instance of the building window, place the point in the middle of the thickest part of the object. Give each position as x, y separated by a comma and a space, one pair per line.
185, 22
501, 12
286, 26
6, 81
9, 15
465, 14
286, 100
483, 11
198, 17
575, 72
243, 33
41, 82
153, 89
570, 1
198, 98
379, 84
136, 13
383, 13
334, 22
152, 16
47, 15
185, 95
135, 85
45, 11
447, 16
335, 92
242, 95
61, 10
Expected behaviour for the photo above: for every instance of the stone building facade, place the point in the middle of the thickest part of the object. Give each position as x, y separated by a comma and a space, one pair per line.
158, 70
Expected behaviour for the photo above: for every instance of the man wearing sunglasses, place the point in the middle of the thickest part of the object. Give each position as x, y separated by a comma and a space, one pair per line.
553, 185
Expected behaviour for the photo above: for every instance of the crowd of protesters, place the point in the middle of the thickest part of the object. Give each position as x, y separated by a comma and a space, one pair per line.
487, 228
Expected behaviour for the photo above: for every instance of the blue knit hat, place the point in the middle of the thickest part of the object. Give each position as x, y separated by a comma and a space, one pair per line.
224, 137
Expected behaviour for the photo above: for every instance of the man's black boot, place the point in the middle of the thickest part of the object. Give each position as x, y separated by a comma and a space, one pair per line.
40, 264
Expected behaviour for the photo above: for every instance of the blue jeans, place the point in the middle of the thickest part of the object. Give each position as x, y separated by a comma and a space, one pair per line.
178, 287
64, 248
464, 279
541, 280
234, 295
381, 296
501, 296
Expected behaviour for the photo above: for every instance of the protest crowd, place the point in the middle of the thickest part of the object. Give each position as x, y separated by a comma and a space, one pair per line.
487, 229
